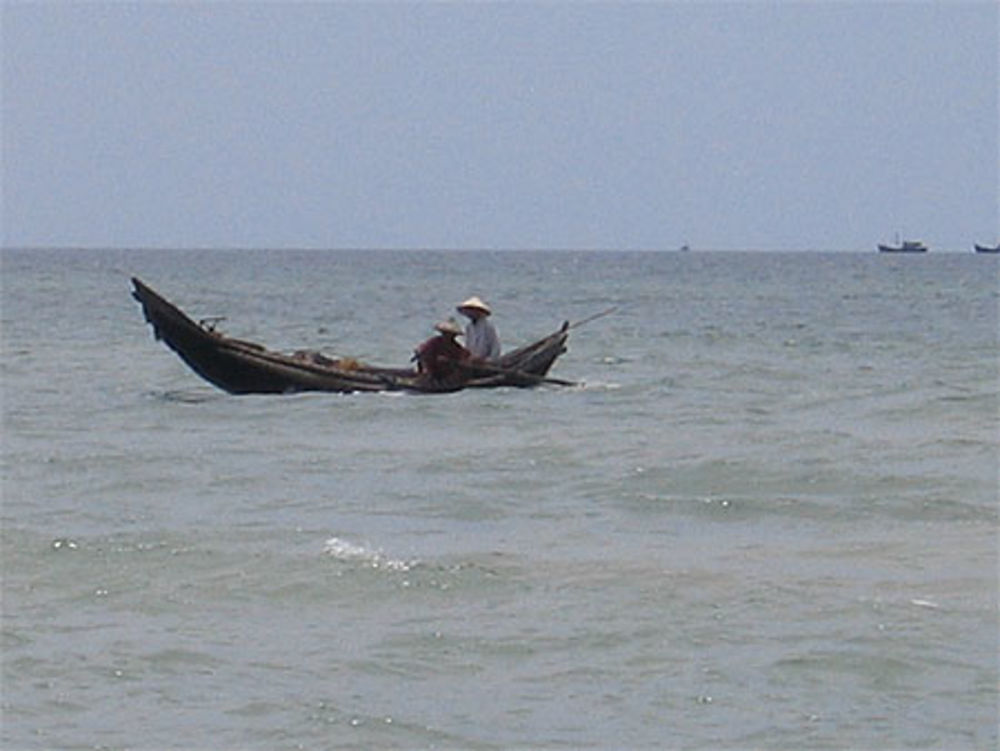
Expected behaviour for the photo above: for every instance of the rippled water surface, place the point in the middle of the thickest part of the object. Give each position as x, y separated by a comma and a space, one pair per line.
767, 518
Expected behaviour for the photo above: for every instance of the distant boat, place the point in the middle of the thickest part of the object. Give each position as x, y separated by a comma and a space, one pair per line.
988, 248
908, 246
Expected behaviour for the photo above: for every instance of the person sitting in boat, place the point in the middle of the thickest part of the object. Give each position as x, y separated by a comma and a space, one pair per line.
439, 356
481, 337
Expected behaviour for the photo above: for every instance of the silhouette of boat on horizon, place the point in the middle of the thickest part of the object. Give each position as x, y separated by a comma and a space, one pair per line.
907, 246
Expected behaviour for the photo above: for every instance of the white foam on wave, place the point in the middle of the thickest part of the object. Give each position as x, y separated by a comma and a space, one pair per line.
344, 550
587, 384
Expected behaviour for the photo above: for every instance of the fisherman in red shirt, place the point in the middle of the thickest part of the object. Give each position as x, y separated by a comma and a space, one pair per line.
438, 357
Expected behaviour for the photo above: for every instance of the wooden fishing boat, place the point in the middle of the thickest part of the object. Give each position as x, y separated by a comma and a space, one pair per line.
242, 367
987, 248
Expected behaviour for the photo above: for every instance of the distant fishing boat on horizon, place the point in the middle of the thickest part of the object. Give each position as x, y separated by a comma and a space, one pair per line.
907, 246
987, 248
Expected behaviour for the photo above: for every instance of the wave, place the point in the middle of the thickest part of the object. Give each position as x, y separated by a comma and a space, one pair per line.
343, 550
187, 396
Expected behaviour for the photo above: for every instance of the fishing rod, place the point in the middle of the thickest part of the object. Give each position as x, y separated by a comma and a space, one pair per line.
594, 317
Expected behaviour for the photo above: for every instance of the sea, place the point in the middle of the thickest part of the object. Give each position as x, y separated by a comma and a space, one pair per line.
765, 518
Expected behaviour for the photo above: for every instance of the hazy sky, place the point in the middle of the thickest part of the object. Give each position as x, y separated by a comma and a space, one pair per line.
770, 125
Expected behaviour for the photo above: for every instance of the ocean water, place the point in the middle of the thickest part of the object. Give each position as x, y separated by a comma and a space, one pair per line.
767, 518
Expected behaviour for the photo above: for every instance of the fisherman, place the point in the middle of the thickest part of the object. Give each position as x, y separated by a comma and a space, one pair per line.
439, 356
481, 338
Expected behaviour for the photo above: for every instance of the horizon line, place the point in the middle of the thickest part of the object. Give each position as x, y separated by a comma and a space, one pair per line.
411, 249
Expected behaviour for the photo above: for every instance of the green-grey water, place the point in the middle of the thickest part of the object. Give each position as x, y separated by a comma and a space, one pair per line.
767, 519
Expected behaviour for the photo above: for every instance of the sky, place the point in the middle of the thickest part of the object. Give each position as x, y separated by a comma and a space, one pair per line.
527, 125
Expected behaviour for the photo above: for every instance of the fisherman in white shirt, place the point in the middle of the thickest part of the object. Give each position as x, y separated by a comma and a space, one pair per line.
480, 335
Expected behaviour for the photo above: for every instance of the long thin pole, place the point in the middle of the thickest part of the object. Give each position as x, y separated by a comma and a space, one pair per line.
594, 317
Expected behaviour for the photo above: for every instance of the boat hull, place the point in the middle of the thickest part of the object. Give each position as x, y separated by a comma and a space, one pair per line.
904, 248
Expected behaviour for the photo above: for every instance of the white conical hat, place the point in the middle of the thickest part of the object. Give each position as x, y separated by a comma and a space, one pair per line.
475, 302
449, 327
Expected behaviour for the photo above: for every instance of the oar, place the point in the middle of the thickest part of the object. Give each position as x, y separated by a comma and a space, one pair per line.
494, 370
